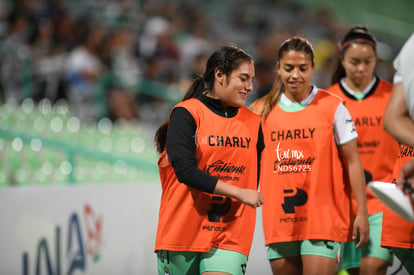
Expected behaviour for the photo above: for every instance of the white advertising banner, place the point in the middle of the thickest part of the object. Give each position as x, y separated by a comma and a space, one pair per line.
87, 229
97, 229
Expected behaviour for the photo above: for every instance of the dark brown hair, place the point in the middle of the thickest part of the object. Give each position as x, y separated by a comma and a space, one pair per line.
268, 101
357, 34
226, 59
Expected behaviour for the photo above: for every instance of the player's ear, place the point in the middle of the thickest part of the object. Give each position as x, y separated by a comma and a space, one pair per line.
219, 75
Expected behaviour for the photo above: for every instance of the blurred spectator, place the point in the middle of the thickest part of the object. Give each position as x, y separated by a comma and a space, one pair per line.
326, 52
118, 55
15, 60
152, 94
149, 42
194, 42
66, 32
47, 64
266, 63
265, 66
196, 68
84, 70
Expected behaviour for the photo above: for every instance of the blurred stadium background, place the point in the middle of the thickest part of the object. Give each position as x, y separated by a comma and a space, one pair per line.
86, 118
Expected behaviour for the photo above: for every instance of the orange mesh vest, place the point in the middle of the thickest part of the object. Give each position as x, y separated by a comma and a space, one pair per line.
396, 231
377, 149
191, 220
302, 176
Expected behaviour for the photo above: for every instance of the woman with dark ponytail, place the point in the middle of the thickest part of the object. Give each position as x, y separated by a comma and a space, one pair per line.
366, 96
210, 150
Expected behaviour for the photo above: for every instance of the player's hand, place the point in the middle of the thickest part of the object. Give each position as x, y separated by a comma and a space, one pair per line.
252, 198
361, 226
406, 174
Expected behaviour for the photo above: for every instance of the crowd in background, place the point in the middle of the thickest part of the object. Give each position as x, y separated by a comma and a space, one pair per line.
88, 51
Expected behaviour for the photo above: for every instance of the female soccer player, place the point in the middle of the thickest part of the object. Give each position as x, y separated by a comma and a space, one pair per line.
307, 133
366, 97
210, 149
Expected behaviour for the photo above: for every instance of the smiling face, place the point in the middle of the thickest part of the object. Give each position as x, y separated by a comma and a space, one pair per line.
232, 90
359, 62
295, 69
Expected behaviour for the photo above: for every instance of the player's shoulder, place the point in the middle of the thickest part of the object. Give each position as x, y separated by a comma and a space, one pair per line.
329, 95
385, 84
